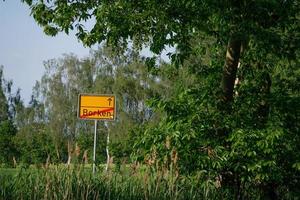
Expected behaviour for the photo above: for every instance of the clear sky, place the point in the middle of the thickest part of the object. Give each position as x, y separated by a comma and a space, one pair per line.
24, 46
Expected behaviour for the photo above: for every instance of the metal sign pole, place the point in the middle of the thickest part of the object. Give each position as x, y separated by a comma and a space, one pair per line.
94, 157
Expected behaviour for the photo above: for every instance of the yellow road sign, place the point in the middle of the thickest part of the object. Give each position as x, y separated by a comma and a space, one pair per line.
98, 107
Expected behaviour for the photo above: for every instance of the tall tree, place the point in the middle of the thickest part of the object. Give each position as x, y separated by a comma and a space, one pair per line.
59, 88
175, 22
7, 128
3, 101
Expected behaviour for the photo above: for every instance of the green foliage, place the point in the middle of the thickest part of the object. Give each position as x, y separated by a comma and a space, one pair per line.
8, 103
252, 147
130, 183
3, 101
7, 147
85, 141
34, 144
170, 22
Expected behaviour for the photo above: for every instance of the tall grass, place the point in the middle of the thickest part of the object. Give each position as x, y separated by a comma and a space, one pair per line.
130, 183
135, 181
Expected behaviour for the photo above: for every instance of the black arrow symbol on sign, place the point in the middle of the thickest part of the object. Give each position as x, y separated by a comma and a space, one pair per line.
109, 101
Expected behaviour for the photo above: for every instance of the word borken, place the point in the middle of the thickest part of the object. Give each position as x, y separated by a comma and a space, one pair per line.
104, 113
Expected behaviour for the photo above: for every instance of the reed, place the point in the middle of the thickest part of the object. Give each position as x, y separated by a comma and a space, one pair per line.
130, 182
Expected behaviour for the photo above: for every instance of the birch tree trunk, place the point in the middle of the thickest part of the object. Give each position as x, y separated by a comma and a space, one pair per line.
107, 149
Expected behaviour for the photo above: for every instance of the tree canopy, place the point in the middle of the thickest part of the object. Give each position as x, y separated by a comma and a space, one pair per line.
269, 26
172, 22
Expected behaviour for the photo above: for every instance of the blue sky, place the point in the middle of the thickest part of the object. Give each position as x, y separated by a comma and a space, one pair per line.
24, 46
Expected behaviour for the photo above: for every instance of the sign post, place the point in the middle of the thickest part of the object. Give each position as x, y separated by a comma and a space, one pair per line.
96, 107
94, 155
